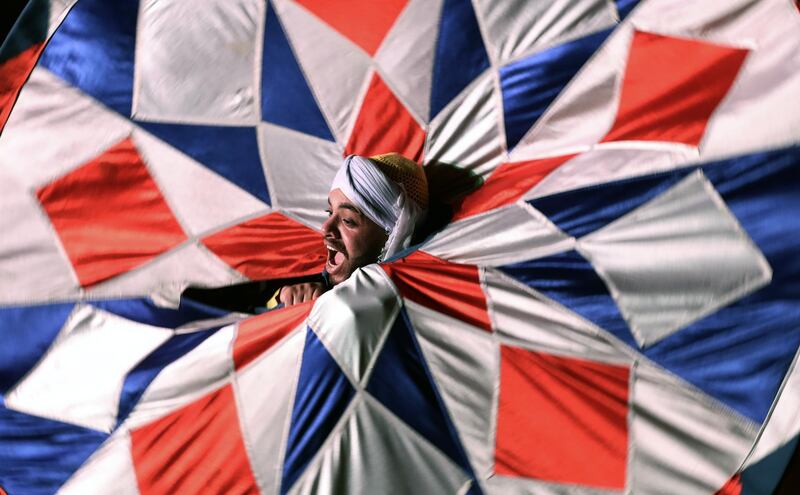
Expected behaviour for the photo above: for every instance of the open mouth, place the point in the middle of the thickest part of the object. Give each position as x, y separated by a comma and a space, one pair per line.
335, 257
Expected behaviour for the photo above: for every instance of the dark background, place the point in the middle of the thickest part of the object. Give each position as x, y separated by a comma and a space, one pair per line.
9, 11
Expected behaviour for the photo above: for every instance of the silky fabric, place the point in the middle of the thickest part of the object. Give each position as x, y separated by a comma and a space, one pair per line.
130, 220
715, 353
530, 85
381, 200
323, 395
456, 286
271, 247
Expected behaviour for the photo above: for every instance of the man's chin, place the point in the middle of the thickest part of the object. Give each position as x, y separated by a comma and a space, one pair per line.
341, 272
338, 274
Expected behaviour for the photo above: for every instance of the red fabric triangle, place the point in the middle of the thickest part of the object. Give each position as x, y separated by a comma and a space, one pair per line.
671, 88
384, 126
258, 334
196, 449
364, 22
271, 246
13, 74
450, 288
507, 184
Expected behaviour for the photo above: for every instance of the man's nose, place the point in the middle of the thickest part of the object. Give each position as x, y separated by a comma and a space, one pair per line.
329, 226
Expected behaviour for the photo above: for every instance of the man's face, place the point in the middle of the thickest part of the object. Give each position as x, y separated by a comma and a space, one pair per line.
352, 239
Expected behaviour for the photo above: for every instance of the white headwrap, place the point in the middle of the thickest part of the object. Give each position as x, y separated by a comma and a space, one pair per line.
380, 199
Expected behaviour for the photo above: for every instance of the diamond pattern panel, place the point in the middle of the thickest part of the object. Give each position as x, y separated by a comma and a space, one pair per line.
562, 419
658, 265
671, 87
564, 423
110, 215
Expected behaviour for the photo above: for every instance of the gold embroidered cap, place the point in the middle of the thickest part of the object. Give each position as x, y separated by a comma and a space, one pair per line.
407, 172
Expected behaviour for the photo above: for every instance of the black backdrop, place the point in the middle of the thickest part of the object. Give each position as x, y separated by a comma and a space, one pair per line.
9, 11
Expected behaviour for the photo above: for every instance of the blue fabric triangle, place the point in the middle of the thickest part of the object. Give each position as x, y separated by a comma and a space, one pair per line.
569, 279
26, 332
402, 382
286, 99
474, 489
93, 49
460, 53
582, 211
624, 7
140, 377
38, 455
144, 310
323, 393
529, 85
231, 152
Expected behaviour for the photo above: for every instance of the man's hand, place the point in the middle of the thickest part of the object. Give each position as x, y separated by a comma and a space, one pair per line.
299, 293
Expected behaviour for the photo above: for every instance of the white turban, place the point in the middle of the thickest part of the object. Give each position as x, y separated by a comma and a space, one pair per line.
383, 201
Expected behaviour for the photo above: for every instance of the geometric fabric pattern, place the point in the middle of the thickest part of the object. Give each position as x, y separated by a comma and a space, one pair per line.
531, 84
224, 465
607, 299
700, 219
557, 388
363, 22
110, 215
711, 67
384, 124
286, 98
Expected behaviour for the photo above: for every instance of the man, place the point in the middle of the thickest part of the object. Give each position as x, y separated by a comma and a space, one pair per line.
375, 205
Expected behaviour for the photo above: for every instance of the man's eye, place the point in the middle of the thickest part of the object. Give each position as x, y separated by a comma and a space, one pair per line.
328, 211
348, 222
